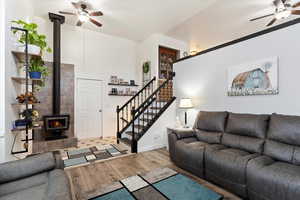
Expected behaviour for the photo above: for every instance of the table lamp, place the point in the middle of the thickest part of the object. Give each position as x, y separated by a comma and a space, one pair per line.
185, 103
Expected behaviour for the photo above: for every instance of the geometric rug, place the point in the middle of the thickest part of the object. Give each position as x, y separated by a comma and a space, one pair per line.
88, 155
160, 184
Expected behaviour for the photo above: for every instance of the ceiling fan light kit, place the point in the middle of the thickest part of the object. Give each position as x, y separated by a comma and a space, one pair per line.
83, 13
283, 10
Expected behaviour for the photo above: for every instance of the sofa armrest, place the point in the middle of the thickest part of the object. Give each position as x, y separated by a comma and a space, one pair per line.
27, 167
182, 133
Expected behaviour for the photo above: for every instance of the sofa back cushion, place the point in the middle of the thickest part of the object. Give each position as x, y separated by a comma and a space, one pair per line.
211, 121
246, 132
283, 138
208, 137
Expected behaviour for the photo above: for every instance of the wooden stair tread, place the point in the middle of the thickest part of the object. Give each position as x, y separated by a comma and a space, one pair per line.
149, 113
155, 108
145, 119
139, 126
126, 141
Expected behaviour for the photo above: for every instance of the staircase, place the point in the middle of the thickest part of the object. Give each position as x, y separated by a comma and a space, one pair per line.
137, 115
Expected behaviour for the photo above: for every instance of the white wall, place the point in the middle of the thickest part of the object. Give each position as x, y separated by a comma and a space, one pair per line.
156, 136
148, 50
204, 77
2, 79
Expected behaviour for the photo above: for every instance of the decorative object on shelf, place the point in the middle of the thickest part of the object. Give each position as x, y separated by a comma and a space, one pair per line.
256, 78
114, 80
30, 96
114, 91
186, 103
38, 70
185, 54
132, 82
36, 42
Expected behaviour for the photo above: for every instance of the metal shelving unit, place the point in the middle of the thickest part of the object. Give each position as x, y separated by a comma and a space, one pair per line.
23, 57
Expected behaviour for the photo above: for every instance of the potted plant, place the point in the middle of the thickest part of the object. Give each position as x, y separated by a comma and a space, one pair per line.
37, 68
36, 42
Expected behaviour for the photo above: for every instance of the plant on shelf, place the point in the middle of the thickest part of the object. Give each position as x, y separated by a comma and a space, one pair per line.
31, 98
37, 42
38, 70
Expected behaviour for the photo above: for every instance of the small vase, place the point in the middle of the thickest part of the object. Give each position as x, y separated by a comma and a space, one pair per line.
35, 75
32, 49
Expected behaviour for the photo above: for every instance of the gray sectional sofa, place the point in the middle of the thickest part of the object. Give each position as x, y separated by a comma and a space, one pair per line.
254, 156
38, 177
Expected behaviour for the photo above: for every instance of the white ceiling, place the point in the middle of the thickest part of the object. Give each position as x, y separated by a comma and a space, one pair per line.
201, 23
132, 19
223, 21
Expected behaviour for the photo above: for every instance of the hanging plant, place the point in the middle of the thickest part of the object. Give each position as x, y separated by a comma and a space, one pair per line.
146, 67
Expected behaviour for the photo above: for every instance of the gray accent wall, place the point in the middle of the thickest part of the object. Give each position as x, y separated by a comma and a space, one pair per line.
67, 105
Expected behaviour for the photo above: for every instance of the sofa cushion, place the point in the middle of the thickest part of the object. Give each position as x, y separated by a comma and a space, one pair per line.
285, 129
209, 137
283, 141
270, 180
32, 193
251, 144
229, 166
58, 186
247, 125
189, 156
23, 184
19, 169
211, 121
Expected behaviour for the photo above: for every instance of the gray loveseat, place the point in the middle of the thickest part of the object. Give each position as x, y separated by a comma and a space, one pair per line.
35, 178
254, 156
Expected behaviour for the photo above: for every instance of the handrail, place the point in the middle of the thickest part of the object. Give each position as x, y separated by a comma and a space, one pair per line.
137, 94
154, 93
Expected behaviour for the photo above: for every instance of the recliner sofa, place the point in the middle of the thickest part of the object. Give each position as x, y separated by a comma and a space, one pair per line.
39, 177
256, 157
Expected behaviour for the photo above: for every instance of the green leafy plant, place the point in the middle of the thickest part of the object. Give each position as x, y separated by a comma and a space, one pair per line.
146, 67
34, 37
37, 65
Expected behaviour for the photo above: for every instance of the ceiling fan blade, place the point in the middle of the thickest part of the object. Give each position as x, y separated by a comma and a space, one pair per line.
76, 5
272, 22
296, 5
96, 13
95, 22
295, 12
261, 17
79, 23
66, 13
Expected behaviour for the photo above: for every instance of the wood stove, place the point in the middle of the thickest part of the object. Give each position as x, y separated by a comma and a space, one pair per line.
57, 123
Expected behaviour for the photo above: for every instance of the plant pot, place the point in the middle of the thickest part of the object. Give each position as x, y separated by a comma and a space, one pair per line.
32, 49
35, 75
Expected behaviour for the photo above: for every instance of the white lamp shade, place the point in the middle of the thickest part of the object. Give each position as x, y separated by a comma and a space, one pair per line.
186, 103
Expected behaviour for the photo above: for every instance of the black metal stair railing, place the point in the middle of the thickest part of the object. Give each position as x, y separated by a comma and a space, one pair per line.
141, 112
124, 117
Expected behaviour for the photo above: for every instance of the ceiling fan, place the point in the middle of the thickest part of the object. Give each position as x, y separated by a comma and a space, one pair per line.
83, 13
284, 9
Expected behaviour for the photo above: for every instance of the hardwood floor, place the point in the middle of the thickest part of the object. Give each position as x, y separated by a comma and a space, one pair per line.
86, 180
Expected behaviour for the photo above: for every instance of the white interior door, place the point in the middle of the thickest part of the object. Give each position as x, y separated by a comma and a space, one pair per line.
89, 109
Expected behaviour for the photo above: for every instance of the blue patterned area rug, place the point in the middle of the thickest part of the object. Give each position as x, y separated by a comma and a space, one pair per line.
84, 156
161, 184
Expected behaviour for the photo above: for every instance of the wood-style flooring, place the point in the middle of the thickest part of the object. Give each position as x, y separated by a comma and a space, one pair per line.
86, 180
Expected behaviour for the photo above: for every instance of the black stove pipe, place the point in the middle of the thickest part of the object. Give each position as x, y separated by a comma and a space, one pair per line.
57, 21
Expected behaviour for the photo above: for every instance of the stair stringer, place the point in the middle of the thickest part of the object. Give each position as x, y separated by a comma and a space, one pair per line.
156, 137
